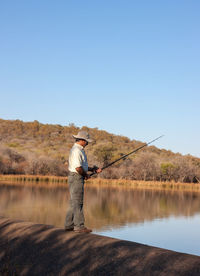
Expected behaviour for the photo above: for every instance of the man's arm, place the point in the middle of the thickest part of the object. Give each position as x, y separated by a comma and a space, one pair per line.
81, 171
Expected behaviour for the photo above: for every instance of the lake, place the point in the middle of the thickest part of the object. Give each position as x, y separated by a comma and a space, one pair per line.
166, 219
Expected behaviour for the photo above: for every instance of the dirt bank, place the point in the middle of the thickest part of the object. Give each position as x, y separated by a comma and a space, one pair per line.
36, 249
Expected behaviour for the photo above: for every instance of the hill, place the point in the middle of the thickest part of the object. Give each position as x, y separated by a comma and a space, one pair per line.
35, 148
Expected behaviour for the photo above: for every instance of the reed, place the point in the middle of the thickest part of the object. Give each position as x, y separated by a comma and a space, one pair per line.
34, 178
139, 184
56, 181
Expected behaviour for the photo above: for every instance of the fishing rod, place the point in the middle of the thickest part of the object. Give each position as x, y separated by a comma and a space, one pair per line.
125, 155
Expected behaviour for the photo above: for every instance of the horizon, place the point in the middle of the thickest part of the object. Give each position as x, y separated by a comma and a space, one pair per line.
131, 68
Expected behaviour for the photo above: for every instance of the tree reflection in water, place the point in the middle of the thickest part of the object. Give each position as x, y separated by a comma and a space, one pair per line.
104, 207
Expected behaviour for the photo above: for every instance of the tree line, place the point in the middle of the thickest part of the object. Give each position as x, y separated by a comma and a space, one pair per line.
35, 148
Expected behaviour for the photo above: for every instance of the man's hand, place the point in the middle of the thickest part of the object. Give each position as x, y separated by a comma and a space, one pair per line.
95, 169
99, 170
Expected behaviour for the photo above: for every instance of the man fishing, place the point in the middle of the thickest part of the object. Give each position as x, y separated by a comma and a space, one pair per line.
78, 168
78, 172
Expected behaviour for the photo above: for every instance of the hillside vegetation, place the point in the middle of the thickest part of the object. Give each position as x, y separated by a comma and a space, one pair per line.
35, 148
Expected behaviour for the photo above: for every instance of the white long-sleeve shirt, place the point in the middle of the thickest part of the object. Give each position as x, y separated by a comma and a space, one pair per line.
77, 158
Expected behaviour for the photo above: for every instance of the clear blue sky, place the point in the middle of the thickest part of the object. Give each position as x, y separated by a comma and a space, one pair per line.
129, 67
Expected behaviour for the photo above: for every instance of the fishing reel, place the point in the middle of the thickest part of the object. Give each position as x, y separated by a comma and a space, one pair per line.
94, 168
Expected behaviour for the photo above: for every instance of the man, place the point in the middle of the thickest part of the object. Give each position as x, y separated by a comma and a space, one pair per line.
78, 168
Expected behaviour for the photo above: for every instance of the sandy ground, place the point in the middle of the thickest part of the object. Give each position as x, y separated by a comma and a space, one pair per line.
36, 249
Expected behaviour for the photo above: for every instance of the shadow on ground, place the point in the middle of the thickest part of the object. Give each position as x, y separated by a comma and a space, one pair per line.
37, 249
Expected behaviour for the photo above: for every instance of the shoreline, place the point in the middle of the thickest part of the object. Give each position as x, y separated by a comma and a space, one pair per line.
61, 181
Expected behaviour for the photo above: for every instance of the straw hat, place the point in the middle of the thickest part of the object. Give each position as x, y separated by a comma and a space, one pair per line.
83, 135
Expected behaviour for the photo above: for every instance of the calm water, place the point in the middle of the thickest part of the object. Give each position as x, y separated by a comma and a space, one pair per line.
164, 219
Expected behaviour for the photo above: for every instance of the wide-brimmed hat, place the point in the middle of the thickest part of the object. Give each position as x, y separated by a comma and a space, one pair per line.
83, 135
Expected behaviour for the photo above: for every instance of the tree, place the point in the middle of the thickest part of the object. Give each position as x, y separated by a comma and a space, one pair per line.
104, 153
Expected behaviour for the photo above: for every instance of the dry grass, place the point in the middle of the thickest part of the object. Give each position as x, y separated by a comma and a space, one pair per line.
138, 184
58, 181
35, 178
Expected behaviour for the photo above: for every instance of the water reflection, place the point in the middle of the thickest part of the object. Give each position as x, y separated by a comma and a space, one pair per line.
105, 208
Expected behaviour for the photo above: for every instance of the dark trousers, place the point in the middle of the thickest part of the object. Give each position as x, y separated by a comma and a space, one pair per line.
75, 217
